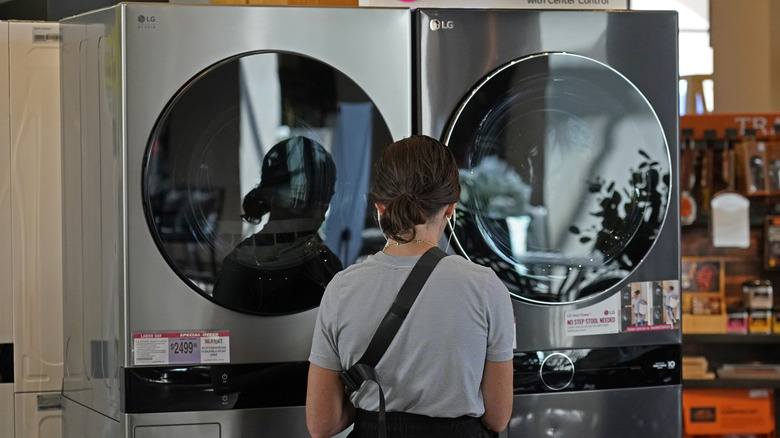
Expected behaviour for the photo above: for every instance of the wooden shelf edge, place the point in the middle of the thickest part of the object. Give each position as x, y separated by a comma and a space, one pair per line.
750, 338
731, 383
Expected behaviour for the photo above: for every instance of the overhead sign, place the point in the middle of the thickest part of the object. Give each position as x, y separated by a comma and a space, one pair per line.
764, 123
500, 4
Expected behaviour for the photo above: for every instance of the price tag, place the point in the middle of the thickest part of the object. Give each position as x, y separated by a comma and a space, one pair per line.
198, 347
183, 350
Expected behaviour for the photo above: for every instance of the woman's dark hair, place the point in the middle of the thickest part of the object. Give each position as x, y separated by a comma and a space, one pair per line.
415, 178
300, 165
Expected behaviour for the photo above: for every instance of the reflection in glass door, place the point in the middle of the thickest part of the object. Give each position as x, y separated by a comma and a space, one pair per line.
257, 177
565, 173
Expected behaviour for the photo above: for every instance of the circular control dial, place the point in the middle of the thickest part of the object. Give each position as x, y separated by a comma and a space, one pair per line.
556, 371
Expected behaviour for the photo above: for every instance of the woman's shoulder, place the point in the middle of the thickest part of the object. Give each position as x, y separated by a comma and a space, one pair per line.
467, 266
466, 272
360, 268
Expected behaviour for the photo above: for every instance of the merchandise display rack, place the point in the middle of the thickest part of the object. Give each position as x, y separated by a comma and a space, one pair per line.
723, 148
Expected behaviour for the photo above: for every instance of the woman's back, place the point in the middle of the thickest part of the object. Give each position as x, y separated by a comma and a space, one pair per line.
448, 370
434, 365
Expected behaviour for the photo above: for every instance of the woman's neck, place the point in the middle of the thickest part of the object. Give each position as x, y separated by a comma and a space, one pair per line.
426, 236
411, 248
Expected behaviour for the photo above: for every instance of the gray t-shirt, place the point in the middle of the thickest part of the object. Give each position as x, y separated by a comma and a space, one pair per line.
462, 317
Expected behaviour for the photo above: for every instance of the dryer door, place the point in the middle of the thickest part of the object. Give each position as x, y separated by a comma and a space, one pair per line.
565, 174
256, 180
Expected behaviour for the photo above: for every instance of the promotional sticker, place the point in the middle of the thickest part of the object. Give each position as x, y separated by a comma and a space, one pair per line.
650, 306
598, 319
638, 307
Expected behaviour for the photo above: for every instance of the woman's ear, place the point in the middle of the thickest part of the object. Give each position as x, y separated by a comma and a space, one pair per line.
380, 208
450, 210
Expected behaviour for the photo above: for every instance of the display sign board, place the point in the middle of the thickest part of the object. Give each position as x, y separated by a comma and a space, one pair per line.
763, 124
501, 4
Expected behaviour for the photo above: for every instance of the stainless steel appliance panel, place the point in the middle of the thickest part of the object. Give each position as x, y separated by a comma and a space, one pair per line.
571, 118
134, 76
369, 41
92, 293
508, 39
79, 421
279, 422
630, 413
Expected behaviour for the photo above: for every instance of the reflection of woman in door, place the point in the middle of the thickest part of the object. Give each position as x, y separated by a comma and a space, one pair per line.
636, 304
284, 267
671, 299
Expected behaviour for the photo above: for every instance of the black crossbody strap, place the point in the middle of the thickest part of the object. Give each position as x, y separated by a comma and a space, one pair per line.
400, 308
363, 370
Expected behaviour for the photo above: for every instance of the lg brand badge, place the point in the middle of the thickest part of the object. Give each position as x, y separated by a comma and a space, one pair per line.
147, 22
441, 25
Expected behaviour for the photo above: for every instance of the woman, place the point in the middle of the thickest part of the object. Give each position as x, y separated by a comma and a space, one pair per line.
284, 267
636, 303
670, 302
448, 372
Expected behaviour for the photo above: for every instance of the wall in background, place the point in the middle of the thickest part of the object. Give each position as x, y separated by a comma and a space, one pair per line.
23, 10
747, 55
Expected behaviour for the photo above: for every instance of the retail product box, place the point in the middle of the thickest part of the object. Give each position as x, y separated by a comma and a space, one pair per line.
751, 171
703, 284
704, 324
728, 411
696, 368
773, 166
751, 435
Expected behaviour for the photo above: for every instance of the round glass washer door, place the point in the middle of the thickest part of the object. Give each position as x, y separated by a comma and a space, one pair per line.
565, 176
256, 181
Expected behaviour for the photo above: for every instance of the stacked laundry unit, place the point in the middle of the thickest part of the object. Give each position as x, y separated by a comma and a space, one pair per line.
30, 231
190, 294
566, 137
188, 312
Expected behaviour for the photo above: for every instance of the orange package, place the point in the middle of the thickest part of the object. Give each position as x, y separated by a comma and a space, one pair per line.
728, 411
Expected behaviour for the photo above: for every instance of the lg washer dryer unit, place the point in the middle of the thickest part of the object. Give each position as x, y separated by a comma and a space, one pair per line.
217, 176
564, 125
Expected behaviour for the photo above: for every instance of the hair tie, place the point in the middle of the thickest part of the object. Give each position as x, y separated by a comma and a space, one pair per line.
408, 196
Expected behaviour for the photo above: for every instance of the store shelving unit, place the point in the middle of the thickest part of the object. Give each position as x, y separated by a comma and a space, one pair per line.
720, 349
733, 349
714, 169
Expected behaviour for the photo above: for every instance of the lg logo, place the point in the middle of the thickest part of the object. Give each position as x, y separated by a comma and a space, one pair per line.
147, 22
439, 24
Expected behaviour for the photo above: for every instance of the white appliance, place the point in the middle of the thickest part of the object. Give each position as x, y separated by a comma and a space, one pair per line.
6, 282
31, 230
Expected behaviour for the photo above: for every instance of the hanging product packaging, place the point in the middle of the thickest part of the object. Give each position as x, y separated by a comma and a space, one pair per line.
730, 221
687, 201
730, 215
758, 294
